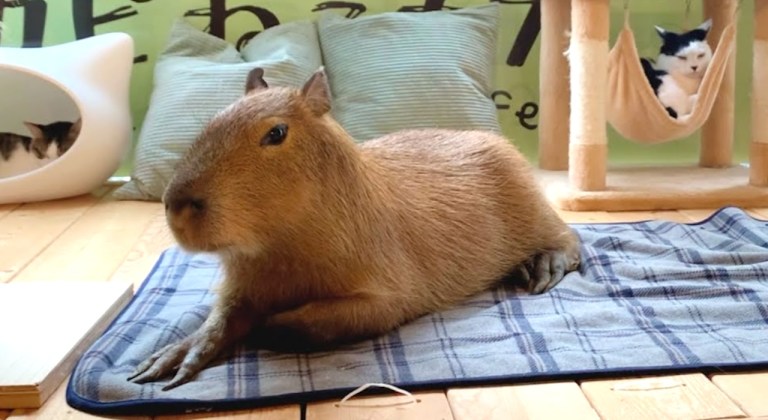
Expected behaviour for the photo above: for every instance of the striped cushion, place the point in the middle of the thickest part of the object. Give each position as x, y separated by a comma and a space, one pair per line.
196, 76
412, 70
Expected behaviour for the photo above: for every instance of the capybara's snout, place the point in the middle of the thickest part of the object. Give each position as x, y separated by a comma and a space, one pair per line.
179, 202
186, 209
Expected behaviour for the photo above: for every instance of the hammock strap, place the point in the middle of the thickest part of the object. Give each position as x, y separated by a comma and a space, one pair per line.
687, 13
626, 13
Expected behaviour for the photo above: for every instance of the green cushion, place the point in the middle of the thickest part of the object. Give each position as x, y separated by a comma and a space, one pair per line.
197, 75
412, 70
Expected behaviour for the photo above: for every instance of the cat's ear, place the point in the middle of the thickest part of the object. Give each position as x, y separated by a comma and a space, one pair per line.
661, 31
706, 26
74, 130
255, 80
34, 129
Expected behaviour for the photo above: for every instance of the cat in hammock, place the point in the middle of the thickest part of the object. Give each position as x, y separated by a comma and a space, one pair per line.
20, 154
680, 66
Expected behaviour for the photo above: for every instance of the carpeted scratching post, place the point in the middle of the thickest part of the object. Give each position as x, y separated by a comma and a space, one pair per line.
588, 55
758, 151
554, 92
717, 133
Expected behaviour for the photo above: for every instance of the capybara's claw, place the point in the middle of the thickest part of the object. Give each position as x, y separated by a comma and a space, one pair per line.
159, 364
546, 269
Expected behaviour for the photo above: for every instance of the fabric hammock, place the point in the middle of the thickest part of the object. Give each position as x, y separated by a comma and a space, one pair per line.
632, 107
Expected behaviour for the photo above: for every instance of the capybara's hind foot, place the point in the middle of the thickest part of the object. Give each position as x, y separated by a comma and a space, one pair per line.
545, 269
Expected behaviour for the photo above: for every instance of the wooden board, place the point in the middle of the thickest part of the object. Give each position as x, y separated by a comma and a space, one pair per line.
6, 209
523, 402
105, 233
690, 396
45, 327
747, 389
292, 412
57, 408
666, 188
24, 234
429, 405
146, 250
759, 213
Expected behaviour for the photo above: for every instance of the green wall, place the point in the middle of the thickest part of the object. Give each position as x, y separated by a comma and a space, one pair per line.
148, 21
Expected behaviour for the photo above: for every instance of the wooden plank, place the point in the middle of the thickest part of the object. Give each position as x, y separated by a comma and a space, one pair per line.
5, 210
145, 252
30, 228
57, 408
429, 405
621, 216
746, 389
759, 213
524, 402
45, 327
582, 216
291, 412
95, 245
690, 396
698, 215
641, 216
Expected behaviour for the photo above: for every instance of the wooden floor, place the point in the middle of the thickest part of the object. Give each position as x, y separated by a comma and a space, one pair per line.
98, 239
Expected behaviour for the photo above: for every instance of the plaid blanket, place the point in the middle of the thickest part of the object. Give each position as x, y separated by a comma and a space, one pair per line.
651, 296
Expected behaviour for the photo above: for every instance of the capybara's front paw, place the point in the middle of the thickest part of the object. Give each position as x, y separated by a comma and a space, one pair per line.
188, 357
545, 269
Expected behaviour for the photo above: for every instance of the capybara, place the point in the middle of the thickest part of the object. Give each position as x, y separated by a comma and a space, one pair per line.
325, 240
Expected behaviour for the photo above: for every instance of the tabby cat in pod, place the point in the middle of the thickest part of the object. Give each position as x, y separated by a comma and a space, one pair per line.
20, 154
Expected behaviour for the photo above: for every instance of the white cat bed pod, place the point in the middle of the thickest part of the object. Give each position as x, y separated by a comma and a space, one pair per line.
87, 79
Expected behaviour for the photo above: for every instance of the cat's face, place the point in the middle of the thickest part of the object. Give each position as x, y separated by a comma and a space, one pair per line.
685, 53
61, 135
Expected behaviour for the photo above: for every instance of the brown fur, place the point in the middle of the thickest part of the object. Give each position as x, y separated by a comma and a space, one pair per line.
326, 241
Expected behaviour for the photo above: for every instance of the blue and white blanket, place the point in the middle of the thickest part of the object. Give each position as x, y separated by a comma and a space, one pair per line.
651, 296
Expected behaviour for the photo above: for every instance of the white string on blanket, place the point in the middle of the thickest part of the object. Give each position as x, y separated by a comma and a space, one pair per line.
361, 388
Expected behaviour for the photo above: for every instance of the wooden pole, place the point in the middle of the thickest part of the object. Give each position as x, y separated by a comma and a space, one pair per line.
717, 133
554, 93
588, 56
758, 148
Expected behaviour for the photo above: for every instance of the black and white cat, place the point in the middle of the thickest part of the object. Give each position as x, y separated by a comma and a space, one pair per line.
680, 66
20, 154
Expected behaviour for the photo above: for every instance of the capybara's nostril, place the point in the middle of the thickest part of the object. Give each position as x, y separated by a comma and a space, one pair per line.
178, 204
197, 204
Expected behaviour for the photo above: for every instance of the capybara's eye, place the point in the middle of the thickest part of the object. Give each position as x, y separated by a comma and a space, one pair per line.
275, 136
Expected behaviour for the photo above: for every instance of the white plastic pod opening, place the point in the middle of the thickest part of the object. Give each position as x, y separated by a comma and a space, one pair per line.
86, 80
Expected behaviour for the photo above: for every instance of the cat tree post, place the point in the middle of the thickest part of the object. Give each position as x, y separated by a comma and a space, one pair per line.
717, 133
588, 57
554, 93
758, 149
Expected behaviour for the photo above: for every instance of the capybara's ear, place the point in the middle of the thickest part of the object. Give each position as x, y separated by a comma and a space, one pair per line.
317, 93
255, 80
